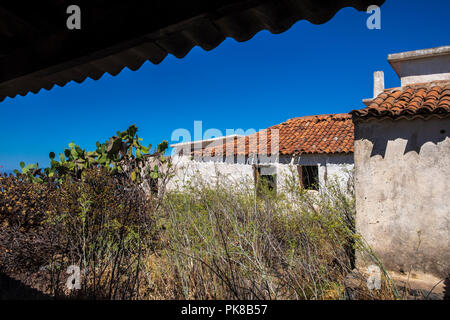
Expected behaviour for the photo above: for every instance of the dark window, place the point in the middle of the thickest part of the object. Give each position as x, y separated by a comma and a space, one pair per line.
264, 182
268, 182
310, 177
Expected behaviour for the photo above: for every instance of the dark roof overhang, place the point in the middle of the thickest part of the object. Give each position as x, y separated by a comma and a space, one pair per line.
38, 51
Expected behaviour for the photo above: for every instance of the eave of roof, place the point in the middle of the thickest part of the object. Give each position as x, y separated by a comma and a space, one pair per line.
61, 57
419, 101
196, 142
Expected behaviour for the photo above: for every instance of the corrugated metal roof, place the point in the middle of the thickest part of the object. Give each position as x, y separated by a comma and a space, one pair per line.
208, 30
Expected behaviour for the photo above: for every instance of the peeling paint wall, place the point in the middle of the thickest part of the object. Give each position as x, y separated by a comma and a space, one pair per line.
402, 174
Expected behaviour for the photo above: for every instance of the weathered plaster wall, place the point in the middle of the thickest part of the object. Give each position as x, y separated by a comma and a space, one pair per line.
215, 170
191, 172
334, 166
402, 174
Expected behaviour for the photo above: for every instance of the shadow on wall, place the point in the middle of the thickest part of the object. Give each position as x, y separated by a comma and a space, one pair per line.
12, 289
415, 132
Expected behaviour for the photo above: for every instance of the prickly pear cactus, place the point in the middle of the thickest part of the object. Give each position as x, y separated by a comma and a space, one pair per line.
122, 154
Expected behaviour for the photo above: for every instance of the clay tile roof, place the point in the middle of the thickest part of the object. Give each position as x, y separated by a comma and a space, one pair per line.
321, 134
417, 101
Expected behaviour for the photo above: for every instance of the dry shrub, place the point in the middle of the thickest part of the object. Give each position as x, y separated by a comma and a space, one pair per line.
207, 242
99, 223
23, 204
226, 244
25, 243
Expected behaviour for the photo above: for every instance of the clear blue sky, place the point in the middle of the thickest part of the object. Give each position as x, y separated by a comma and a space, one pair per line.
310, 69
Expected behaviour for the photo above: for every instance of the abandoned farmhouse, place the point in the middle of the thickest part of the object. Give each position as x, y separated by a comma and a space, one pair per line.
314, 147
398, 146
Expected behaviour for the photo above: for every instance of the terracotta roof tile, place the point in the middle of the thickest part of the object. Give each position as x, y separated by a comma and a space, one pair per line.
331, 133
423, 101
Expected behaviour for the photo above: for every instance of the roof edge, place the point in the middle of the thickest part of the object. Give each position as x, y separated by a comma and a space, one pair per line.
419, 54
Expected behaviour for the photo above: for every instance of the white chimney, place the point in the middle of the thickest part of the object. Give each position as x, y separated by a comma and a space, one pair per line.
378, 86
422, 66
378, 83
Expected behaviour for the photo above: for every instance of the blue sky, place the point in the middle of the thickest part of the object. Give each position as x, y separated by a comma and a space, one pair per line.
310, 69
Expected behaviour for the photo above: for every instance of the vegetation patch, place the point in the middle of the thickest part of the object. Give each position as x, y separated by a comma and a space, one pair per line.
98, 210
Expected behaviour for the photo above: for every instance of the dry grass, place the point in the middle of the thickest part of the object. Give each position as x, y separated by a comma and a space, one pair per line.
223, 244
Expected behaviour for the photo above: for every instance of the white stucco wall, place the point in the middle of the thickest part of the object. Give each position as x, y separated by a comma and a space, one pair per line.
191, 172
217, 170
331, 166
